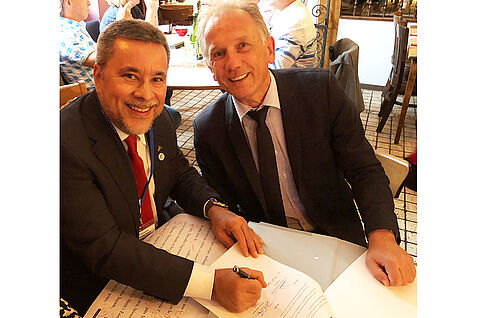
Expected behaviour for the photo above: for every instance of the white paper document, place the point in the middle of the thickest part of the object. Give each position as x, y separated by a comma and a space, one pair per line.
321, 257
184, 235
289, 294
357, 294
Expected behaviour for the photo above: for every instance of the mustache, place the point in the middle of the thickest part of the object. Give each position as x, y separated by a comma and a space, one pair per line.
141, 103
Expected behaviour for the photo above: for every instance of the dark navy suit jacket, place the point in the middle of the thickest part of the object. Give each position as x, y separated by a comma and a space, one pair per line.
327, 150
99, 209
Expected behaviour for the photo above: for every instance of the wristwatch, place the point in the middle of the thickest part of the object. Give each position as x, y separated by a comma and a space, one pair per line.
210, 203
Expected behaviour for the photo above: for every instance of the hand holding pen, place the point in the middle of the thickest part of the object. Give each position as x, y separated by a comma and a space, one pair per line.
235, 293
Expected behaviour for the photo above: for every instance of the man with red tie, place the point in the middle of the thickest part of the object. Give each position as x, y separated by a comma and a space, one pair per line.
119, 163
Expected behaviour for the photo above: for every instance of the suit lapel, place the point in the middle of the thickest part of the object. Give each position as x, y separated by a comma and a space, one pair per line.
288, 101
242, 150
109, 149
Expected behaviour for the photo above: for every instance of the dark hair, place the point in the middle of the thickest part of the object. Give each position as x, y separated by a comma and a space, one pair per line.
135, 29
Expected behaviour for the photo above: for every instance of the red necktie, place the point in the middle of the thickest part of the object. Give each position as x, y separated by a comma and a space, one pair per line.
141, 181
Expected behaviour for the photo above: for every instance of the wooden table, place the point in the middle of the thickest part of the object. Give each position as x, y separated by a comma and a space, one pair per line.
190, 78
411, 80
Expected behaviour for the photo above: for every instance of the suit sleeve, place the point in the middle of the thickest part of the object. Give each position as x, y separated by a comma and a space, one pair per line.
189, 188
212, 169
355, 157
89, 230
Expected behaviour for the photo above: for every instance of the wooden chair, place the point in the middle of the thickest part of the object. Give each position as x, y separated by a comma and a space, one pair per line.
397, 80
344, 57
71, 91
396, 169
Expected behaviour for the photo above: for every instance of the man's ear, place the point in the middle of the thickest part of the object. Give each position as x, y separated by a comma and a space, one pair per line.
97, 72
211, 69
270, 43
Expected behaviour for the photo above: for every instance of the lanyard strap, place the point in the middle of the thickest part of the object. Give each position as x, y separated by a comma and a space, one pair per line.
151, 159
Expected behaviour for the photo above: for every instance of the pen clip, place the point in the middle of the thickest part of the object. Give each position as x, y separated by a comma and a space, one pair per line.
241, 273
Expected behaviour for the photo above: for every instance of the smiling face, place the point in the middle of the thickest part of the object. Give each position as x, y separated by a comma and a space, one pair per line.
132, 85
238, 57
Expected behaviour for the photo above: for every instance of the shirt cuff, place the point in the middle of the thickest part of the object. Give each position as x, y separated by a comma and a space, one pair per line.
201, 282
204, 211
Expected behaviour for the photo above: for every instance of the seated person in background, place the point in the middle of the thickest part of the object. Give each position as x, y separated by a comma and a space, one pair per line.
291, 25
77, 48
129, 8
280, 146
119, 162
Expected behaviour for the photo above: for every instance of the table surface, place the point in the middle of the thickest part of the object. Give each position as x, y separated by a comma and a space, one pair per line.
321, 257
185, 72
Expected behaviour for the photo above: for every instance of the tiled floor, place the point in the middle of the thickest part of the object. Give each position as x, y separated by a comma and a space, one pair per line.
190, 103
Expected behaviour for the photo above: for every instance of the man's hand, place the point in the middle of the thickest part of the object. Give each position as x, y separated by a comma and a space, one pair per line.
387, 261
124, 12
228, 227
237, 294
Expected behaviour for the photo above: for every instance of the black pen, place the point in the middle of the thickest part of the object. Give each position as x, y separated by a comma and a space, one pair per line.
241, 273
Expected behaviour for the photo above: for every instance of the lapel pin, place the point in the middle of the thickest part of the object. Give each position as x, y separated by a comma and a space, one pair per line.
161, 156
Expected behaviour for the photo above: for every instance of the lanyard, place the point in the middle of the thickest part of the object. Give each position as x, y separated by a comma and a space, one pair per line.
151, 158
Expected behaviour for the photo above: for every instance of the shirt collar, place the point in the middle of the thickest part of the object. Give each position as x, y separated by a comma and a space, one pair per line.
73, 23
271, 99
122, 135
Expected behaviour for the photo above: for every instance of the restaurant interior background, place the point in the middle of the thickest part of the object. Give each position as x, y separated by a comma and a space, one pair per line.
369, 23
446, 129
364, 27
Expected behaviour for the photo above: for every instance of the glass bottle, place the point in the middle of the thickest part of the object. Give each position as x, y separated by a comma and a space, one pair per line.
193, 37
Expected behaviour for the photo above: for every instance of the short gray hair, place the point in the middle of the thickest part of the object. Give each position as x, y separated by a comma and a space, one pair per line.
61, 8
217, 8
135, 29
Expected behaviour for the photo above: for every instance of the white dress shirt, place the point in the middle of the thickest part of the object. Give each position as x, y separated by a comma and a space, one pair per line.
201, 280
294, 210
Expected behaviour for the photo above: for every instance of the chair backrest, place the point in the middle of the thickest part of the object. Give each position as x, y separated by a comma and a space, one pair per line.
168, 15
397, 18
92, 27
400, 55
344, 56
71, 91
396, 170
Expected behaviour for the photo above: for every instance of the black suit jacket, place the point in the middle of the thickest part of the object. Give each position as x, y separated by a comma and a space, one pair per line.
100, 211
326, 148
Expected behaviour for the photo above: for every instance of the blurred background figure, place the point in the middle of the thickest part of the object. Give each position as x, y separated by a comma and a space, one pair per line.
77, 48
129, 9
291, 25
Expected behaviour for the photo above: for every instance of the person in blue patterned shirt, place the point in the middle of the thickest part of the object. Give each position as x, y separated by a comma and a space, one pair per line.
77, 48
